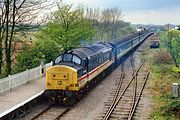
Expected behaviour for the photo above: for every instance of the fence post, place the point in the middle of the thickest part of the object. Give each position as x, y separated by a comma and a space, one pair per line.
51, 63
175, 88
10, 82
28, 77
42, 68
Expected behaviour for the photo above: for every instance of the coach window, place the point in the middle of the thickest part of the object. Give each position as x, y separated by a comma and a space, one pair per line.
76, 59
58, 59
67, 58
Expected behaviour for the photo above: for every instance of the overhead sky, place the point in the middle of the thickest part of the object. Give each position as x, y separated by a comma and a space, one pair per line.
140, 11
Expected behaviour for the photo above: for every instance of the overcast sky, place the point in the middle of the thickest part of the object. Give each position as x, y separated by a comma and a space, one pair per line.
140, 11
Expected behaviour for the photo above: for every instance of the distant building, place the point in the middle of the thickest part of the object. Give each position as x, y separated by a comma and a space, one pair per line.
140, 29
177, 28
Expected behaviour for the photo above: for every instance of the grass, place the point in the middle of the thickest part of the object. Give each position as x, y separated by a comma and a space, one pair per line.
165, 107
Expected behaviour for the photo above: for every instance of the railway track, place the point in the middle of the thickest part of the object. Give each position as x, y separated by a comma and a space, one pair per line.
124, 99
51, 113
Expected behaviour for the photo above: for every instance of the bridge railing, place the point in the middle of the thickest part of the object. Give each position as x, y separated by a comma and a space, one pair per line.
13, 81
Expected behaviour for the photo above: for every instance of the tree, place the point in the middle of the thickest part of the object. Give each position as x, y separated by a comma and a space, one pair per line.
14, 14
31, 54
116, 16
105, 21
67, 27
108, 23
110, 18
171, 40
176, 48
28, 57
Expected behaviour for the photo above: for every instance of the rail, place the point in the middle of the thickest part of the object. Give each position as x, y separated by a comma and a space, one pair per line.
52, 112
13, 81
139, 95
117, 98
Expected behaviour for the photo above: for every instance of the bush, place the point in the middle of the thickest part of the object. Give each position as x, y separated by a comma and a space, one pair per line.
171, 108
30, 56
162, 57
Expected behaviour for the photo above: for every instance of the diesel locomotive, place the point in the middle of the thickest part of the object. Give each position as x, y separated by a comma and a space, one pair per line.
76, 71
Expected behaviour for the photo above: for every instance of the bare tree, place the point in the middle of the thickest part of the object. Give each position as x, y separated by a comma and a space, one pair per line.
93, 14
116, 16
109, 20
105, 20
15, 16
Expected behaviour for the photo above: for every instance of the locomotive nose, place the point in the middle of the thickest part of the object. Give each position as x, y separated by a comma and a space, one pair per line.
60, 77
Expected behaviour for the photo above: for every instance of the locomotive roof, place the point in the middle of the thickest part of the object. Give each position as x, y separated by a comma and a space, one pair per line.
96, 47
105, 44
92, 50
83, 52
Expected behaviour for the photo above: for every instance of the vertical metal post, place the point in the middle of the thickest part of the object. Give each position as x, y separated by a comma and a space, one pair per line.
51, 63
42, 66
10, 82
28, 77
175, 88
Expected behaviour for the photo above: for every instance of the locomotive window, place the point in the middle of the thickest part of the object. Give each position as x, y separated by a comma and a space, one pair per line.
58, 59
67, 58
76, 59
84, 63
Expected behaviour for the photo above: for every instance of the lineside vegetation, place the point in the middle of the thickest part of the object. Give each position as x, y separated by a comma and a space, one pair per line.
165, 106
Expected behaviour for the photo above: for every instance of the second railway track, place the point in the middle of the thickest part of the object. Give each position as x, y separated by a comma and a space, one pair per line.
124, 99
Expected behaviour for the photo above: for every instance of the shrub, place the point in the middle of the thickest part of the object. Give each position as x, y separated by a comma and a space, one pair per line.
172, 106
162, 57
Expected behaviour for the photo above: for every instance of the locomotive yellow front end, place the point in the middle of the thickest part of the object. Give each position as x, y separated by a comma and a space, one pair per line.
61, 78
61, 84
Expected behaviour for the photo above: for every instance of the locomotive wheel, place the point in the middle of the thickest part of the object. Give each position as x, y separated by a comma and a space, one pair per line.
59, 100
69, 101
51, 100
79, 96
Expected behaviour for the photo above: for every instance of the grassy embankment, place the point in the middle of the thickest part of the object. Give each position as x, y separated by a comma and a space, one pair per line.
165, 106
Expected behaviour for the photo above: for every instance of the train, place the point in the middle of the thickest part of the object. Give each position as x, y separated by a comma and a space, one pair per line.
154, 44
75, 72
